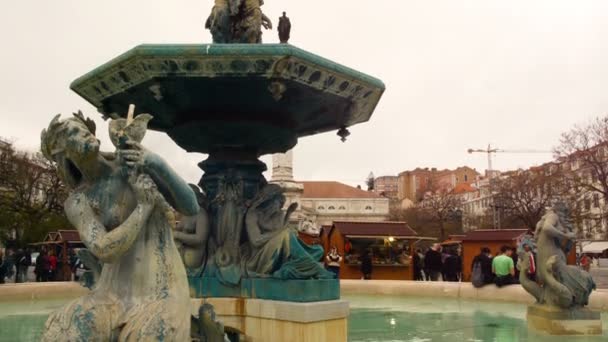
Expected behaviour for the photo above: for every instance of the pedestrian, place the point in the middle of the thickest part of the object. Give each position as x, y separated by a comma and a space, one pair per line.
2, 270
481, 268
366, 265
333, 260
503, 267
46, 267
585, 262
432, 263
52, 266
418, 261
531, 273
25, 260
452, 267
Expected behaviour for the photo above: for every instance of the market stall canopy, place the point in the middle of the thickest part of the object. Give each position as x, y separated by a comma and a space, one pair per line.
453, 240
596, 247
495, 235
70, 237
394, 229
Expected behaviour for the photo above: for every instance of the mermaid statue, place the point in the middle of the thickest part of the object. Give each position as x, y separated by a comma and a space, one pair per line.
557, 283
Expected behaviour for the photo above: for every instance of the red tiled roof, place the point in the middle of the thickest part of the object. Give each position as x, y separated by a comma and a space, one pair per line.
495, 234
334, 190
386, 228
462, 188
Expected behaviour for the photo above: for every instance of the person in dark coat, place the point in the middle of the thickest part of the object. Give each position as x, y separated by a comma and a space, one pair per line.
485, 261
418, 262
433, 263
452, 267
366, 265
2, 268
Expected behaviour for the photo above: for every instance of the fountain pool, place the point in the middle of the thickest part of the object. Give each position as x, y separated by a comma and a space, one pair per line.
372, 318
420, 319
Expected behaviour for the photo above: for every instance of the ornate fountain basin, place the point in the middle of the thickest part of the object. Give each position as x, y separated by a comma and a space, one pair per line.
212, 97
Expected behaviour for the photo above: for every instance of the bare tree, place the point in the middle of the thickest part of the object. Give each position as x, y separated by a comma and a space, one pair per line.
31, 196
583, 153
443, 207
523, 196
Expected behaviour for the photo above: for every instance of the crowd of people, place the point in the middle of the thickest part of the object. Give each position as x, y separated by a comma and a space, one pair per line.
23, 265
438, 263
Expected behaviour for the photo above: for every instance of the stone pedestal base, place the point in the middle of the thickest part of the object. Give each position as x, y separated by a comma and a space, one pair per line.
555, 321
312, 290
261, 320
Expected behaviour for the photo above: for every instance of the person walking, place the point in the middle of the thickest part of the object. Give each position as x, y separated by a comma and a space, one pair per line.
585, 262
432, 263
333, 260
52, 266
481, 268
366, 265
503, 267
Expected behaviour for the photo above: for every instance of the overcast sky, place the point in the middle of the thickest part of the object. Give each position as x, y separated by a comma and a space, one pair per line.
459, 74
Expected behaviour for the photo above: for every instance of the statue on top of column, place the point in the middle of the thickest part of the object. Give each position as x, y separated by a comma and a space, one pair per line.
237, 21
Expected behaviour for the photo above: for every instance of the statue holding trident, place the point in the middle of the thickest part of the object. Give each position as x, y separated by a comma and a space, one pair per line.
237, 21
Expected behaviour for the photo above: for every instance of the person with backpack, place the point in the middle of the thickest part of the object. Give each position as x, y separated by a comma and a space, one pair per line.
481, 267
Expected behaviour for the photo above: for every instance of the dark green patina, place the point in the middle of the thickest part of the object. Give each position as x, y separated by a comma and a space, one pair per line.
250, 96
292, 290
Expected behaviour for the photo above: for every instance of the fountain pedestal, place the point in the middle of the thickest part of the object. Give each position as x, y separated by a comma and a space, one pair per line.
552, 320
277, 321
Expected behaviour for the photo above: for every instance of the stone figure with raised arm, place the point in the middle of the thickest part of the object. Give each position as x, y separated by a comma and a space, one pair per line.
119, 205
558, 284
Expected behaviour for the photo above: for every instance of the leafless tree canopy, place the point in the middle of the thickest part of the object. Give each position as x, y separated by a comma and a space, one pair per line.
523, 196
583, 151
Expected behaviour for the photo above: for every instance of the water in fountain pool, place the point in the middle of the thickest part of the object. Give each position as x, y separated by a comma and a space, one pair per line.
389, 318
372, 318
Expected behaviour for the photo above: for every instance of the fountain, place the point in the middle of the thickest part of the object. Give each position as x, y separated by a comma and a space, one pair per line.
235, 100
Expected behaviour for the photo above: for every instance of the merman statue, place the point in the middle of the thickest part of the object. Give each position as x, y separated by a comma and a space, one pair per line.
119, 203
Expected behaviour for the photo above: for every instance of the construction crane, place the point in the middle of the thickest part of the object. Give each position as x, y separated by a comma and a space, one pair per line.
489, 151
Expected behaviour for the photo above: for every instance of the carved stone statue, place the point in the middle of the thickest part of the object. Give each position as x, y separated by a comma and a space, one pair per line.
273, 249
118, 204
284, 28
557, 284
192, 233
237, 21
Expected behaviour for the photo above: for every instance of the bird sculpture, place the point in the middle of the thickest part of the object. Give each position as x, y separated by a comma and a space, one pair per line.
129, 129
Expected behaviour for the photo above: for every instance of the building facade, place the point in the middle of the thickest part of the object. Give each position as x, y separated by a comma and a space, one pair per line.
387, 186
323, 202
413, 185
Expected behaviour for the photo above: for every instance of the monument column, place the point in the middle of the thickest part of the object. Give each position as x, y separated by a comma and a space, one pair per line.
282, 175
